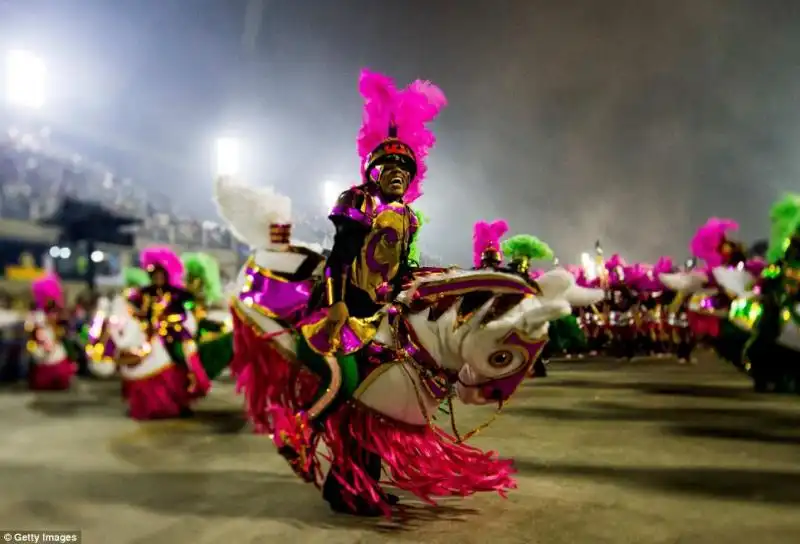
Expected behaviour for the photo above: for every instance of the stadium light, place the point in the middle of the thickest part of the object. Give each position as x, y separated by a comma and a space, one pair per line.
330, 192
97, 256
227, 157
26, 76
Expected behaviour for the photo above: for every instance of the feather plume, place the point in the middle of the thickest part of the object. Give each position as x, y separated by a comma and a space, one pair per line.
785, 217
487, 235
706, 241
249, 211
523, 246
414, 252
205, 267
411, 110
163, 257
136, 277
615, 261
663, 266
47, 289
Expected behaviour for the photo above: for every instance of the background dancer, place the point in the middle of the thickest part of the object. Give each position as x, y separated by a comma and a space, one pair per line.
486, 251
52, 368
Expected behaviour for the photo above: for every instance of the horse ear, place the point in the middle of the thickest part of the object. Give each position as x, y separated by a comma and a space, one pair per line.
477, 318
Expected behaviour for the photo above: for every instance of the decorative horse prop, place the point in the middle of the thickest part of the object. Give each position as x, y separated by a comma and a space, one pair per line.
451, 332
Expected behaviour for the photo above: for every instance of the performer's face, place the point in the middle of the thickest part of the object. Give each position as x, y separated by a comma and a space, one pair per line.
158, 277
394, 181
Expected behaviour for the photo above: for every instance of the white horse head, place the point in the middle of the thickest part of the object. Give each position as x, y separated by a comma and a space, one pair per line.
138, 354
124, 328
490, 336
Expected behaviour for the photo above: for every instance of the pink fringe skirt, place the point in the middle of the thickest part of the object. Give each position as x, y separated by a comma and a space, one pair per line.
703, 325
167, 394
423, 460
56, 377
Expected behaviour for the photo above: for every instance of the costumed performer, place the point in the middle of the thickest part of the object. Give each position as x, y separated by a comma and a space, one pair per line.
51, 367
164, 310
214, 338
565, 333
486, 251
772, 355
373, 218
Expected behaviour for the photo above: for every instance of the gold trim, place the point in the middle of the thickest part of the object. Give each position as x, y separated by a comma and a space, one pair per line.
331, 392
363, 328
379, 371
256, 328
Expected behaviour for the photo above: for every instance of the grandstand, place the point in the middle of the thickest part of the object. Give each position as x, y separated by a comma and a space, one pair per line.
36, 175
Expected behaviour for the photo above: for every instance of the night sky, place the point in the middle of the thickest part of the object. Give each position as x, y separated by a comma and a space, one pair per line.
628, 121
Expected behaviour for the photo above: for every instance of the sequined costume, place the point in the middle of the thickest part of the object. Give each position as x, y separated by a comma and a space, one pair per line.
772, 317
214, 337
46, 325
374, 241
163, 377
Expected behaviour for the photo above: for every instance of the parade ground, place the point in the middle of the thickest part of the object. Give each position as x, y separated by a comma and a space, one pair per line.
642, 452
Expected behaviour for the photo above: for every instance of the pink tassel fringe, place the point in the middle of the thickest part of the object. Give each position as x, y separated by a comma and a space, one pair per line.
425, 461
162, 396
56, 377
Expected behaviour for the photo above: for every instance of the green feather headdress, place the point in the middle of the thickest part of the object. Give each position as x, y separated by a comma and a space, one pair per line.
785, 217
206, 268
526, 247
136, 277
414, 254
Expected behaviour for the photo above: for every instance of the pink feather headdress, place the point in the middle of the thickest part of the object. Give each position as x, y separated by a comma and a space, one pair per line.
409, 110
164, 257
615, 261
663, 266
47, 289
486, 236
707, 240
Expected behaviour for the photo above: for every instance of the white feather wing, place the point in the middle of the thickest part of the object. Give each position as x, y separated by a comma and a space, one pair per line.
249, 211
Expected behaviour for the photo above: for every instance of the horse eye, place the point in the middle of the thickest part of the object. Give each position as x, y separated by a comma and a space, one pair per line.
502, 358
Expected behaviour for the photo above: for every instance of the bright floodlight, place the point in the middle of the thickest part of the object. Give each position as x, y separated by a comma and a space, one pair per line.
330, 192
25, 79
97, 256
228, 157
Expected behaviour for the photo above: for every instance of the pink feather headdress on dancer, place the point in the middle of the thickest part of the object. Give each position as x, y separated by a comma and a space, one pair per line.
708, 239
663, 266
486, 240
163, 257
47, 290
394, 126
